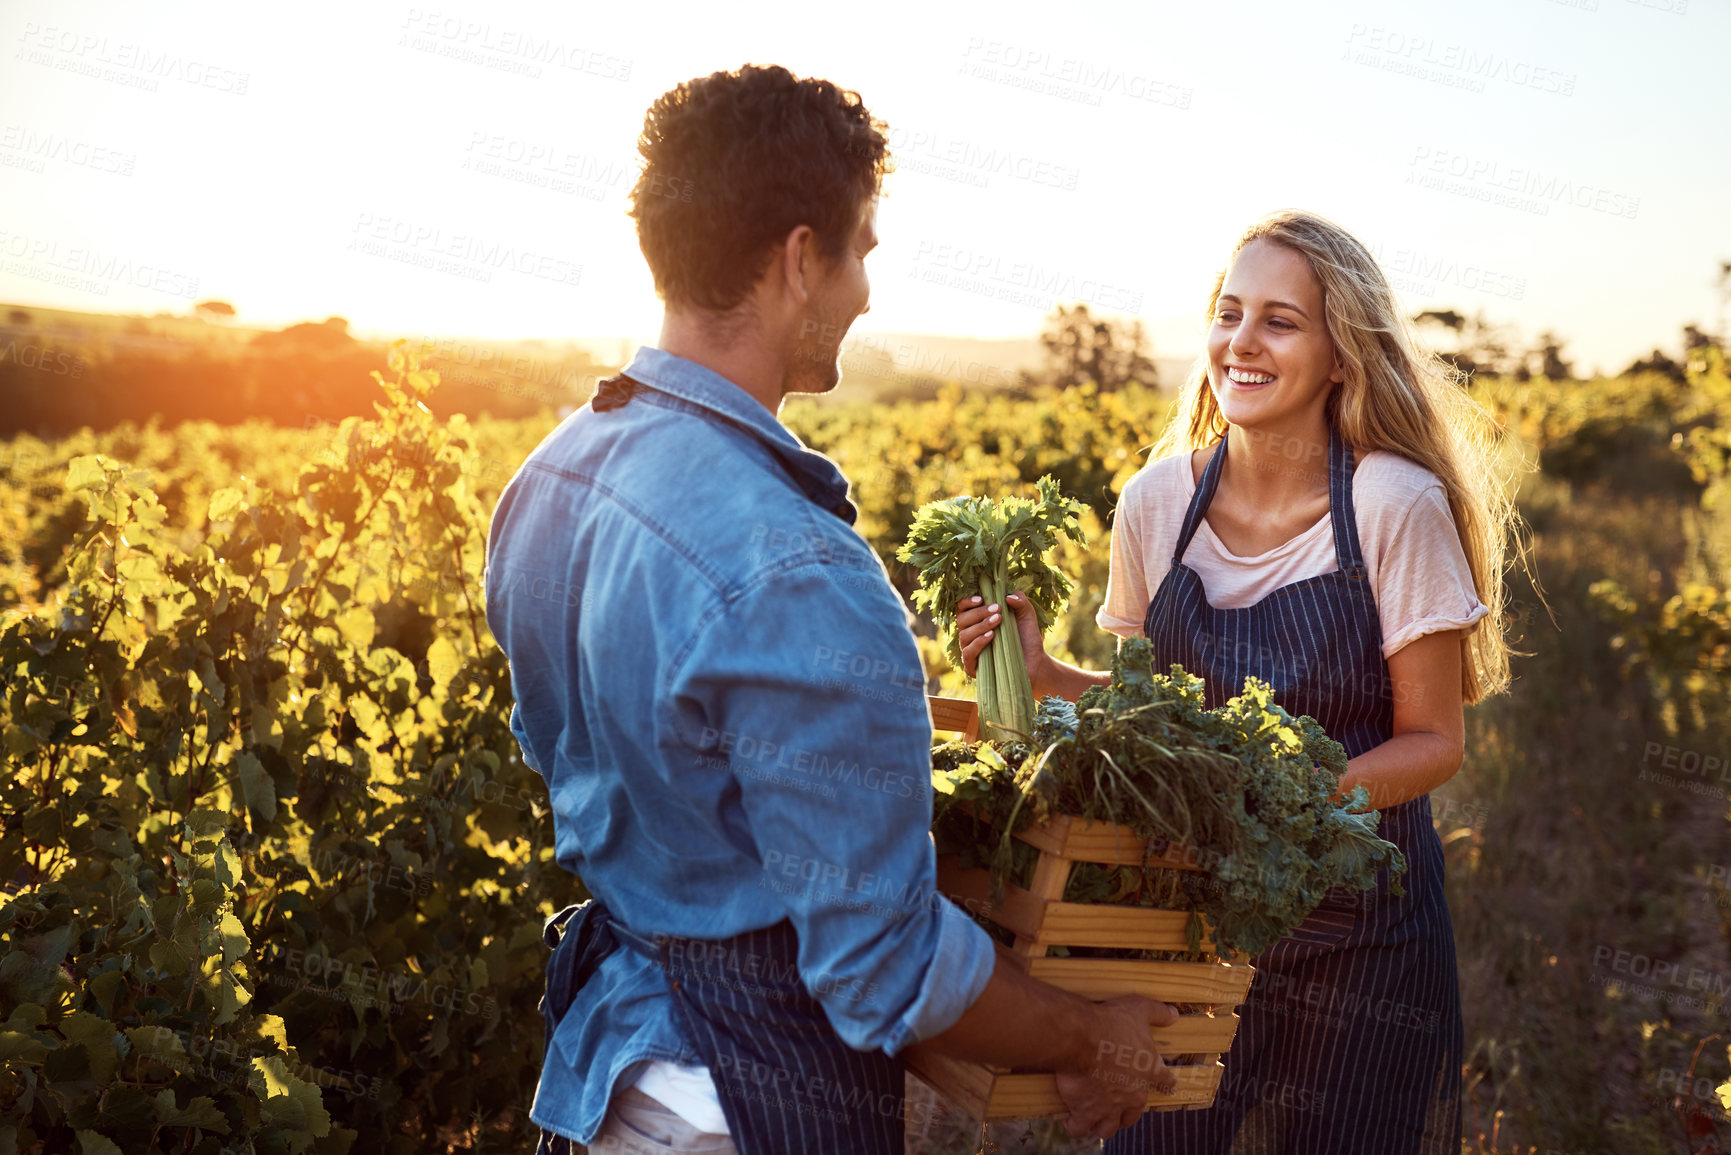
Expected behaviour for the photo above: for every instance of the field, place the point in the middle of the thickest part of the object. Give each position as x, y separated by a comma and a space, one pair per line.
276, 871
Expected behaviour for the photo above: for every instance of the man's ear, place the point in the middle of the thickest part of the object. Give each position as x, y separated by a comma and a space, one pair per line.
797, 253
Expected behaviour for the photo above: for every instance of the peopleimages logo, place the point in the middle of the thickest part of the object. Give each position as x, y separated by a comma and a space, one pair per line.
1066, 77
1654, 978
974, 163
1436, 168
32, 356
1022, 282
468, 253
92, 269
39, 147
1458, 65
519, 50
134, 65
341, 978
763, 754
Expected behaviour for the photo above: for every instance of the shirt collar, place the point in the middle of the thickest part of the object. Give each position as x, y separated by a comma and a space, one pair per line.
819, 477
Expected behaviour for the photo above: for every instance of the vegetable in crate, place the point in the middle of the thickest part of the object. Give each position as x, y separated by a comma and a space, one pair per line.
1246, 790
973, 545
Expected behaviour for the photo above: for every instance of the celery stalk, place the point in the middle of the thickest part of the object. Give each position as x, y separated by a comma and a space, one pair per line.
968, 544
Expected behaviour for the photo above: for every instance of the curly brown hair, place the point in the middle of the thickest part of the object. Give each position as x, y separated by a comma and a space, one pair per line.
733, 162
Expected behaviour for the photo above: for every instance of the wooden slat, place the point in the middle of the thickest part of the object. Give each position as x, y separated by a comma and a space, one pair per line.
1047, 923
1206, 1061
1193, 1034
1051, 877
972, 887
1133, 927
1085, 840
1170, 982
1190, 1035
958, 715
968, 1085
986, 1094
1036, 1096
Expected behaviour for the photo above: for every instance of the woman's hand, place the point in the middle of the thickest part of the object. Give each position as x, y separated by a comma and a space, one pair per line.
977, 624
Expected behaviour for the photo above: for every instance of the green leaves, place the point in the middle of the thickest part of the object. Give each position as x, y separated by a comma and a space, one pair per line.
443, 662
94, 1143
256, 786
288, 1103
200, 1112
86, 472
159, 1044
958, 543
356, 626
1245, 791
205, 724
971, 545
103, 1046
225, 504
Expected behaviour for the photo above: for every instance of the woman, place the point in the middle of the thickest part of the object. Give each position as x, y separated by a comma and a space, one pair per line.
1323, 513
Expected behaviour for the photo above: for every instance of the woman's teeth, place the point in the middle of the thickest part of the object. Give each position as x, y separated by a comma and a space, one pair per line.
1246, 377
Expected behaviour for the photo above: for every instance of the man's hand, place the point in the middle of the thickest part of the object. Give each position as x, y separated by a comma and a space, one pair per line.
1103, 1053
1115, 1093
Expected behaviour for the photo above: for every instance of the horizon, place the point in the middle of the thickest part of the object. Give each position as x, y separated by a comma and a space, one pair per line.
615, 350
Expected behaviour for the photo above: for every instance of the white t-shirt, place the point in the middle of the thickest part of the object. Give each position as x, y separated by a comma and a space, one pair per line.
1418, 572
688, 1092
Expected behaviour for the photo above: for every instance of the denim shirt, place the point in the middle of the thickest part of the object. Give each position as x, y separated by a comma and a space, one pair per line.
718, 683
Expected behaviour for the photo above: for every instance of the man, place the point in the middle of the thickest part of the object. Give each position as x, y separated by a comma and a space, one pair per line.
726, 701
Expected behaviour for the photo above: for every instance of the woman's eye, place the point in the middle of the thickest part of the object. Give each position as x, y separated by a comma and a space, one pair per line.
1281, 324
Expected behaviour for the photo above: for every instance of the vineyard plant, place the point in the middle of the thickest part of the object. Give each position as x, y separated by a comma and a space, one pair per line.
275, 871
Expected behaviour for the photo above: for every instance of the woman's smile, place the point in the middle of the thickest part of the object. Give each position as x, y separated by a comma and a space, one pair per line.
1248, 379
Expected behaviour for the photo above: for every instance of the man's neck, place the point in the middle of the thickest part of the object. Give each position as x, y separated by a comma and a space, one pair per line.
741, 355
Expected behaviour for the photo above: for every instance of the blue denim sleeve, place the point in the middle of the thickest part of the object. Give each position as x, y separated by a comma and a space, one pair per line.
807, 688
522, 736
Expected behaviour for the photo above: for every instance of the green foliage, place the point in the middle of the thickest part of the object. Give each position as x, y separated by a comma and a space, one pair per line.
277, 869
1246, 791
900, 457
163, 661
1682, 645
973, 545
1081, 347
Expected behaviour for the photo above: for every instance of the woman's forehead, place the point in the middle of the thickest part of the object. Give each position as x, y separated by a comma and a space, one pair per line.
1264, 268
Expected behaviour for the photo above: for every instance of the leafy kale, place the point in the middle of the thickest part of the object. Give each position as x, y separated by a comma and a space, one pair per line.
1245, 791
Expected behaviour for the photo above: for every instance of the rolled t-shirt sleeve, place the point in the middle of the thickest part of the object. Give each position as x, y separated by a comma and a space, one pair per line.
1425, 584
808, 686
1126, 601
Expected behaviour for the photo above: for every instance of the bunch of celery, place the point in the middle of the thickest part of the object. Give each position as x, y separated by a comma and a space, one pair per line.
973, 545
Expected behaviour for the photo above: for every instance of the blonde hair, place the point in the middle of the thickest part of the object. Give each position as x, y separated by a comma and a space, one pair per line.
1393, 398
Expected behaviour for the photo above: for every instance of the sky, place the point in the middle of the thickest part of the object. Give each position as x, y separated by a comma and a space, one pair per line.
463, 169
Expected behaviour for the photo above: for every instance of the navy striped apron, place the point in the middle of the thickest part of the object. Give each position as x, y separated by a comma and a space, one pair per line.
786, 1081
1350, 1040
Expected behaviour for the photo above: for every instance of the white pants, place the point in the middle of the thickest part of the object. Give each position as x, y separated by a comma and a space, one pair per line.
639, 1124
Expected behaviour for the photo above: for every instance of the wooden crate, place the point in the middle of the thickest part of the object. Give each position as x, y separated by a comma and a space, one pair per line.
1040, 919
